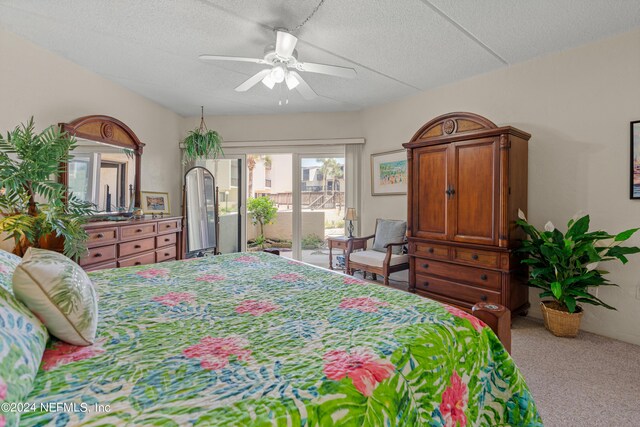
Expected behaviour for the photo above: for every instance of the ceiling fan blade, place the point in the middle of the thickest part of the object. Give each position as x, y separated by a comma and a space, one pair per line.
253, 80
285, 44
303, 87
207, 58
332, 70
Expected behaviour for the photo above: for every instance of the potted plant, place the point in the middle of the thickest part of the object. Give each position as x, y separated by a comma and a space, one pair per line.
565, 266
263, 211
202, 143
35, 209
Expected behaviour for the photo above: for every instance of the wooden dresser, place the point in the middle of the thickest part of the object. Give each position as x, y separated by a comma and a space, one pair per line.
467, 180
114, 244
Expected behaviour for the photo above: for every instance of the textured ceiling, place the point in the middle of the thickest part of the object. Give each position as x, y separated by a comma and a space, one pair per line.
398, 47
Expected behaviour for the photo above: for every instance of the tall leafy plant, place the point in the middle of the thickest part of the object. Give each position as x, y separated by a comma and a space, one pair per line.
565, 265
202, 143
262, 211
33, 204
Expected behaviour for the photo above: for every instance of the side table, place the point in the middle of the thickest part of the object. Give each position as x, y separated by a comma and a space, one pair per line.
341, 242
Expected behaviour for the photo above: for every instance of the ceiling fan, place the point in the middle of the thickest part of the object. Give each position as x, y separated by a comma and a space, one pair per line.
282, 58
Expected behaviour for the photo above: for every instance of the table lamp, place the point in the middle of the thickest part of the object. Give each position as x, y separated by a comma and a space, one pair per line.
350, 216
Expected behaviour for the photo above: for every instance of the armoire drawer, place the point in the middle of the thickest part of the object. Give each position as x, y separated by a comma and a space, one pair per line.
96, 267
477, 276
429, 250
165, 240
149, 258
458, 291
475, 257
102, 236
137, 231
136, 246
99, 255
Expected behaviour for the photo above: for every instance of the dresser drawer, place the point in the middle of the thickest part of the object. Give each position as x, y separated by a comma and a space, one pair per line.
149, 258
99, 255
166, 240
96, 267
474, 257
456, 291
476, 276
137, 231
169, 226
102, 236
166, 254
431, 251
136, 246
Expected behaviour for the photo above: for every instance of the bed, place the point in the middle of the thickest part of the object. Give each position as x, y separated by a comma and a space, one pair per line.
253, 339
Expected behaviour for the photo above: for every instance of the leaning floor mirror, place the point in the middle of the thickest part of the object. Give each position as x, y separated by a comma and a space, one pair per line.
201, 212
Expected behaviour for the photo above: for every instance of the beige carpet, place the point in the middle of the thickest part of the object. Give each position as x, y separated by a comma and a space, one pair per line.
585, 381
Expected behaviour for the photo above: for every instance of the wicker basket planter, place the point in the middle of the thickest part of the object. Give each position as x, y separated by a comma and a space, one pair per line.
560, 323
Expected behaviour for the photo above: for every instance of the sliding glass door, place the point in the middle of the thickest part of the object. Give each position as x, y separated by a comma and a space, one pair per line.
322, 191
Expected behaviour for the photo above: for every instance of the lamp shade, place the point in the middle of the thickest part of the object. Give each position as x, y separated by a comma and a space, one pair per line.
351, 214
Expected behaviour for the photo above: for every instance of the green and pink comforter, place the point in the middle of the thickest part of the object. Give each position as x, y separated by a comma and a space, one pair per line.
259, 340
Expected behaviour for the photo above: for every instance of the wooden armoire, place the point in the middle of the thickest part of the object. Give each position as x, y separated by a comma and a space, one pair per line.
467, 181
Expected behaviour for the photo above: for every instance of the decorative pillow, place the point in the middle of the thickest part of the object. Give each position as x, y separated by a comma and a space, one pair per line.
389, 231
22, 341
59, 292
8, 263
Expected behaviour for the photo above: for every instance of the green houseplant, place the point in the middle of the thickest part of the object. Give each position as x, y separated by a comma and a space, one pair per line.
564, 266
263, 211
35, 209
202, 143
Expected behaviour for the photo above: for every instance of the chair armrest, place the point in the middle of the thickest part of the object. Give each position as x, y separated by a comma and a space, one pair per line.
388, 245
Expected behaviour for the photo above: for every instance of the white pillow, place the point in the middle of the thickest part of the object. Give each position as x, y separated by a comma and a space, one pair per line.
59, 292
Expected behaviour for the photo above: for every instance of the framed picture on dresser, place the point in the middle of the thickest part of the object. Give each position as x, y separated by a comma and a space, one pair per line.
635, 160
389, 173
154, 202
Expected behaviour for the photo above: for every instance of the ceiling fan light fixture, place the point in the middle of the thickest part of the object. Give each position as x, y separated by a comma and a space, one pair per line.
292, 81
278, 73
268, 81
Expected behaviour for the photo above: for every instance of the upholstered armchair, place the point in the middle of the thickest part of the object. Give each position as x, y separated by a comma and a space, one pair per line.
386, 255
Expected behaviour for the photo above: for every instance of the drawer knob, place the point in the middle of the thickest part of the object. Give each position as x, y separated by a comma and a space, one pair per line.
166, 254
483, 297
99, 235
137, 263
425, 284
474, 257
98, 255
137, 246
425, 265
430, 250
166, 240
139, 230
484, 277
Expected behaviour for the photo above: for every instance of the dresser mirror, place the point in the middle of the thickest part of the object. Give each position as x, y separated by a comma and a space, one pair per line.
105, 167
201, 216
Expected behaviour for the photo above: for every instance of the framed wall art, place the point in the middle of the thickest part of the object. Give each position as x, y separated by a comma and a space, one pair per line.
154, 202
389, 173
635, 160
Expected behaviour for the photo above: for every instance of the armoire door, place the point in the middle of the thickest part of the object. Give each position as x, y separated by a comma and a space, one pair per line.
430, 197
474, 179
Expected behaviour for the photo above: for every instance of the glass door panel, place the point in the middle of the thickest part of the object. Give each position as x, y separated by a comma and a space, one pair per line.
228, 176
322, 190
270, 202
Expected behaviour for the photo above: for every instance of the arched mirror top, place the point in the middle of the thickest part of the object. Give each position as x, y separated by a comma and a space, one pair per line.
106, 164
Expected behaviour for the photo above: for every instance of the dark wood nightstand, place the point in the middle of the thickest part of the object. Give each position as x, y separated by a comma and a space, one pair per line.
340, 242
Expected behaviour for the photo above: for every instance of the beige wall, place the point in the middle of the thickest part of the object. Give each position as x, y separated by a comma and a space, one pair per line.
281, 127
36, 82
577, 105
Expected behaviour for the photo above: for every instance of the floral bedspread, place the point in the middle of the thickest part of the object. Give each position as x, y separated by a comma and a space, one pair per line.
259, 340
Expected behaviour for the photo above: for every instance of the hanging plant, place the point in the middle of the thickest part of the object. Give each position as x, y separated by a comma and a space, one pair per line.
202, 143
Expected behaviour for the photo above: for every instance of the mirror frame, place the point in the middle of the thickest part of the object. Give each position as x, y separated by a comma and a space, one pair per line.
107, 130
185, 214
